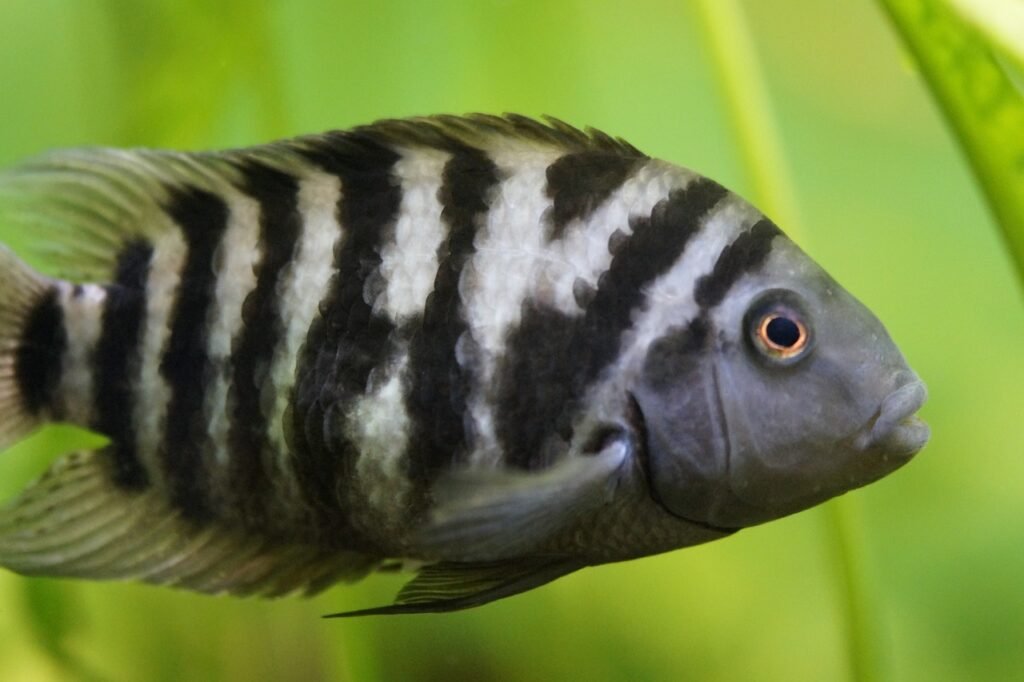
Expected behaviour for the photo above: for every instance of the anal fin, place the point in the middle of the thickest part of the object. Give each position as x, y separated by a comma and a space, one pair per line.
453, 586
75, 522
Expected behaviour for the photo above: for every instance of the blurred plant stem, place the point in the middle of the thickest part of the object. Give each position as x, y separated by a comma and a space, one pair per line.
749, 109
746, 99
842, 520
970, 64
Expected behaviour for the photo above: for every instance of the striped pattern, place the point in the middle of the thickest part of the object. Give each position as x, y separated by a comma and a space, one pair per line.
379, 424
151, 390
311, 332
300, 287
743, 255
566, 354
203, 219
117, 357
680, 305
75, 400
349, 339
37, 367
248, 458
236, 264
579, 182
440, 385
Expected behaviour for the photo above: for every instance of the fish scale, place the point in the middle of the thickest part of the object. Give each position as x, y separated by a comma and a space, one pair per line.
501, 348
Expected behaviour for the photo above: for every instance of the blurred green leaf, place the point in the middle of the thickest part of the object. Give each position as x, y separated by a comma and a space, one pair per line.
962, 49
1001, 21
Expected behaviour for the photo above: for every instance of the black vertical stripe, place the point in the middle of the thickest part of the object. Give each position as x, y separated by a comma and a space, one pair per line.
439, 386
675, 354
203, 218
251, 357
679, 346
348, 339
579, 182
553, 358
37, 367
743, 255
117, 358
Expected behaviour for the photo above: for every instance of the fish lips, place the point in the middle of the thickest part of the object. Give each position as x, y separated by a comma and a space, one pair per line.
896, 430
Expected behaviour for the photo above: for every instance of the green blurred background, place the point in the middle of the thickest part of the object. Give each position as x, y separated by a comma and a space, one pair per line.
887, 205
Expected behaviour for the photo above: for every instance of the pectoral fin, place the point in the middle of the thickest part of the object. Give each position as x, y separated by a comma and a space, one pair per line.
453, 586
488, 514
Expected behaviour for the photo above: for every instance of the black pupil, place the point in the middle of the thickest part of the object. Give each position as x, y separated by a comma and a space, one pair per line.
783, 332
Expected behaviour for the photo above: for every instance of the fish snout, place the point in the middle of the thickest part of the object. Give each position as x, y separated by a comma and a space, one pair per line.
896, 429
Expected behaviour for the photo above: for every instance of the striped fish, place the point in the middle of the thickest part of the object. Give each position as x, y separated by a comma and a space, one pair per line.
496, 348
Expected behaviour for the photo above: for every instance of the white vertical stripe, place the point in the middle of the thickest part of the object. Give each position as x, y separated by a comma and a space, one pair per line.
152, 394
510, 248
235, 263
583, 252
379, 423
409, 261
83, 322
302, 285
670, 302
500, 273
379, 426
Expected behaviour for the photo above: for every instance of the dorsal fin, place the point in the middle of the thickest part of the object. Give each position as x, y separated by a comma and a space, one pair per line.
486, 130
77, 208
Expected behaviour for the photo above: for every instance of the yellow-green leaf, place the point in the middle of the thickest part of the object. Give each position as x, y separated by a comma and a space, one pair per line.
1001, 21
971, 54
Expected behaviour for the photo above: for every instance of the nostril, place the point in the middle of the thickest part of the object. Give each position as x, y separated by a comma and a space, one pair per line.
902, 378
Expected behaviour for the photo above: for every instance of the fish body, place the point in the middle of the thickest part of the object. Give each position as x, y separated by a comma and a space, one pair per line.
501, 348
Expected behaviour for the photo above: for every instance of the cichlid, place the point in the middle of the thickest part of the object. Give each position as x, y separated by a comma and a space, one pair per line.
495, 348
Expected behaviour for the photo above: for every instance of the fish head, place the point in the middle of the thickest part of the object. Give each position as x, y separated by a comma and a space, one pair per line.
786, 393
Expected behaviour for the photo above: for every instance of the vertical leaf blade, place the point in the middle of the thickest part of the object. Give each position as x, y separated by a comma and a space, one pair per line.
976, 91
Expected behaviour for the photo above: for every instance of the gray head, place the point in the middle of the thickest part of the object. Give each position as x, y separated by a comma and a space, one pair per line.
783, 392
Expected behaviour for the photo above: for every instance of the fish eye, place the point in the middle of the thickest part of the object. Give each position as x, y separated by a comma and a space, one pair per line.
779, 330
782, 334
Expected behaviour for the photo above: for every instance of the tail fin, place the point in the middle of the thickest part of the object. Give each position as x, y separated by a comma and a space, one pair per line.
26, 353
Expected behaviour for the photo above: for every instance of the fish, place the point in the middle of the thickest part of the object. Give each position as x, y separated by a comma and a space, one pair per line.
492, 350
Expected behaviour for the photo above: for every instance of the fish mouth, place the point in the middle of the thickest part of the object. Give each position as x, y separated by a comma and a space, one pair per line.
896, 429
